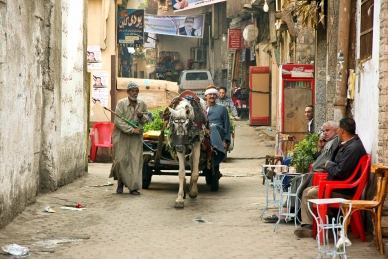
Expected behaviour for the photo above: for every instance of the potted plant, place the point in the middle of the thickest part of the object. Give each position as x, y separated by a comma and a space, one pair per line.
302, 154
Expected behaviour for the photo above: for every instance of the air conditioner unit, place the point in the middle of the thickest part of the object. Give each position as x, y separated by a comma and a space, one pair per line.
198, 54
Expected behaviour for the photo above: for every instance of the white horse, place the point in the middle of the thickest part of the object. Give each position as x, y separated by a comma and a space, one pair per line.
187, 132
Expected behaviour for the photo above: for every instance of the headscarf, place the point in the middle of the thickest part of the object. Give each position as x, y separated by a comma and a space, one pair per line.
211, 89
132, 85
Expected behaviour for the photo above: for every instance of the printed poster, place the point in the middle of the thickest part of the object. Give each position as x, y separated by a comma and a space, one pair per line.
130, 27
183, 5
175, 25
94, 57
100, 89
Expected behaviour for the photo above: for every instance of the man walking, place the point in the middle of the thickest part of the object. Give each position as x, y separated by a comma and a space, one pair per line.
127, 141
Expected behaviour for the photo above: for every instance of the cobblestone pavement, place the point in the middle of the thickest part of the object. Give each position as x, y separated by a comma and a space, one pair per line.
222, 224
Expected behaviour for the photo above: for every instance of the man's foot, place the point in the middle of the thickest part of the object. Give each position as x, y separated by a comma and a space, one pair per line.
119, 189
305, 230
134, 192
271, 219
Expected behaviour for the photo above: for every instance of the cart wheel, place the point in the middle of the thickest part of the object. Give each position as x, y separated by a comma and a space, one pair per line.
147, 173
215, 177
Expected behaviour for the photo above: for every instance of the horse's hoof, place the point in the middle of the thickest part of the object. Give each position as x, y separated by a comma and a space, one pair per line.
193, 195
179, 204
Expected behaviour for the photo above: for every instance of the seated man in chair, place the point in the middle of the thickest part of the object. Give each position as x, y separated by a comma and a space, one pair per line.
328, 142
344, 161
219, 125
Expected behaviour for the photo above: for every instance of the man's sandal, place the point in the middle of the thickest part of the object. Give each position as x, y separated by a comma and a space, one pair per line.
134, 192
272, 219
119, 189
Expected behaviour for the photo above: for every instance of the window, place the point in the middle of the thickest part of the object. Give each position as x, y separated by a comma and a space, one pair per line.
366, 30
196, 76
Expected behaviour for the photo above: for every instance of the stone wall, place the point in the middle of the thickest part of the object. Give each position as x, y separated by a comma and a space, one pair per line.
383, 86
43, 97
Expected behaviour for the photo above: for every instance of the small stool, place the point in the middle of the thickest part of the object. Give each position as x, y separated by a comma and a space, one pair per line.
272, 160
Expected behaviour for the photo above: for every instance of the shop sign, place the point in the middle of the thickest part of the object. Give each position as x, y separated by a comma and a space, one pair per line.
234, 39
130, 27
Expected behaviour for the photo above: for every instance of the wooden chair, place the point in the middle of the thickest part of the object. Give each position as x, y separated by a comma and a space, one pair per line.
271, 160
375, 206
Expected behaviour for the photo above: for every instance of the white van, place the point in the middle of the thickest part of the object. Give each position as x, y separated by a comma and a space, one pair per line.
195, 80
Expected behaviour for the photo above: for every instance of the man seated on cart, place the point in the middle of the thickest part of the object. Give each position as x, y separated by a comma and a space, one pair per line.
219, 125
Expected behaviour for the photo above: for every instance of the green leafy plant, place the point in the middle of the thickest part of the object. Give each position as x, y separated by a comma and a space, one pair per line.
302, 154
232, 126
157, 124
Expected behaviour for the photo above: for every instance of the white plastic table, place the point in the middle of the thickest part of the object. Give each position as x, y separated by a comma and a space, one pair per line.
325, 226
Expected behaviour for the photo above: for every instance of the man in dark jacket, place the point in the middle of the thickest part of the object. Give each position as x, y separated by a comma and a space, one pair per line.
344, 161
188, 29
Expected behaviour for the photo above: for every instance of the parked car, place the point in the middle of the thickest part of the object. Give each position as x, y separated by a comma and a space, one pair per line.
195, 80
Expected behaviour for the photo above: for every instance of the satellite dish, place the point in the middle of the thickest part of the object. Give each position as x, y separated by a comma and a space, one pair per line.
250, 33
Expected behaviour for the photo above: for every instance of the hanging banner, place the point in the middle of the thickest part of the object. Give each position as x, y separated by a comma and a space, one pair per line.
184, 26
130, 27
183, 5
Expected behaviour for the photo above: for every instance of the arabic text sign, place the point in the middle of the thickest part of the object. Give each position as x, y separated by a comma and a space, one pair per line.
176, 25
234, 39
130, 27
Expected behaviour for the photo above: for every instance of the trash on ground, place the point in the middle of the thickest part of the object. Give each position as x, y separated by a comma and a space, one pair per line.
72, 208
49, 210
78, 205
100, 185
201, 219
15, 249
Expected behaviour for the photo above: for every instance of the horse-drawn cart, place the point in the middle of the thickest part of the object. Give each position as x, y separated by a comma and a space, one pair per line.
157, 160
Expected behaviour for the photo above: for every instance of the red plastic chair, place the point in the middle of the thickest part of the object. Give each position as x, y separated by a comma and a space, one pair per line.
101, 136
326, 188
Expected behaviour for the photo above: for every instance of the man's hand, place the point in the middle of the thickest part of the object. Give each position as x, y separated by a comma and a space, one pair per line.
138, 131
326, 163
224, 144
237, 118
321, 143
139, 114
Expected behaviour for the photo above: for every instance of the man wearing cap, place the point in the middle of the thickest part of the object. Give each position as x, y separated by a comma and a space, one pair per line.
127, 141
219, 124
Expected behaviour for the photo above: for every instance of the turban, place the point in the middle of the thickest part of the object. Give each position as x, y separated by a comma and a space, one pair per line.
132, 85
211, 90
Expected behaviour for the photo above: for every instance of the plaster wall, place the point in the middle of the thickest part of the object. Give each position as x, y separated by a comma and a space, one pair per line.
366, 99
42, 99
102, 32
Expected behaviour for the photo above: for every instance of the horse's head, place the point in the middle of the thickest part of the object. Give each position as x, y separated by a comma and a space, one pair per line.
180, 124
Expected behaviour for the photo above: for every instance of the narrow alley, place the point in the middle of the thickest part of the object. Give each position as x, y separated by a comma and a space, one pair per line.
222, 224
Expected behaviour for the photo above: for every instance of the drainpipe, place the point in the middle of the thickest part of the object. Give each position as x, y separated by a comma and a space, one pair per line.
340, 99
